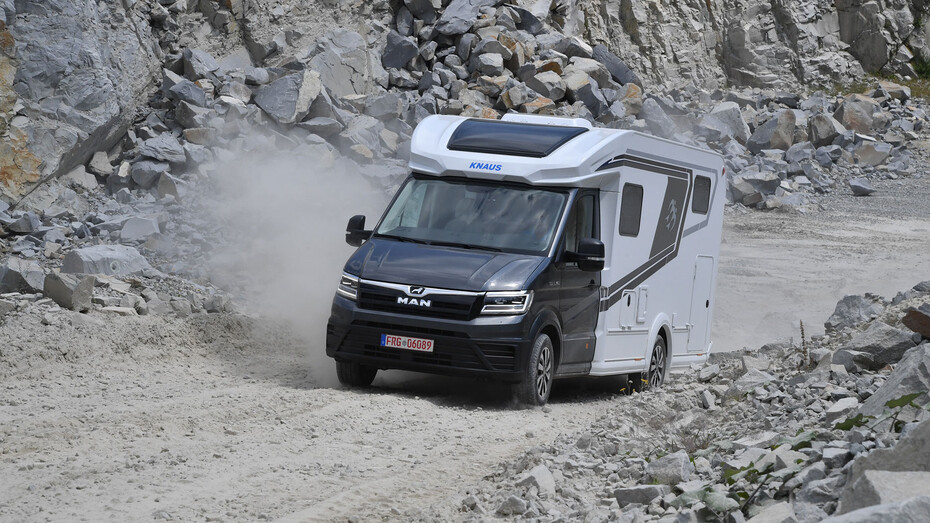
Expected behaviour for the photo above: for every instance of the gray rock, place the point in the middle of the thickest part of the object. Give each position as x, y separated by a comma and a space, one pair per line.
321, 126
6, 307
642, 494
776, 513
26, 224
492, 45
658, 122
855, 113
548, 84
287, 100
877, 346
860, 186
422, 9
872, 153
708, 372
911, 375
619, 71
163, 147
819, 491
403, 21
69, 290
799, 152
191, 116
115, 260
918, 320
199, 64
670, 469
346, 65
748, 382
399, 51
512, 506
776, 133
840, 410
137, 229
853, 310
19, 275
913, 510
188, 91
489, 64
592, 98
460, 15
386, 106
725, 121
100, 164
880, 487
541, 477
823, 129
146, 172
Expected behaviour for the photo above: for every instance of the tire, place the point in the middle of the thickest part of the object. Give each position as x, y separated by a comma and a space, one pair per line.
536, 386
353, 374
654, 377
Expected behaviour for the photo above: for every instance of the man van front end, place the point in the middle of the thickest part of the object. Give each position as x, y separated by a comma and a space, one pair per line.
446, 283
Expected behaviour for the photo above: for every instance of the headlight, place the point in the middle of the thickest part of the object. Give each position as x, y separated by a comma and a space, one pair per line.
507, 302
348, 287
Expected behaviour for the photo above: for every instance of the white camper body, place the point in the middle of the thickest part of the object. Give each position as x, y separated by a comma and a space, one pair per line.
660, 209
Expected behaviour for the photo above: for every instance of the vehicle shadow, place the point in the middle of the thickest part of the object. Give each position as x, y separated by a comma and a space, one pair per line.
466, 393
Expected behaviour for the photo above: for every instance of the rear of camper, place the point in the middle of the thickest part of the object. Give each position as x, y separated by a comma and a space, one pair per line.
535, 248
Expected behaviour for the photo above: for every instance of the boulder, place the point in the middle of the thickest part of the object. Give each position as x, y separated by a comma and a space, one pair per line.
71, 291
422, 9
855, 113
872, 153
398, 51
100, 164
840, 409
116, 260
918, 320
877, 346
642, 494
670, 469
823, 129
199, 64
879, 487
490, 64
19, 275
28, 223
776, 133
548, 84
726, 121
911, 375
512, 506
861, 186
287, 100
853, 310
658, 122
188, 91
138, 229
163, 147
896, 91
913, 510
146, 172
542, 478
748, 382
619, 71
780, 512
460, 15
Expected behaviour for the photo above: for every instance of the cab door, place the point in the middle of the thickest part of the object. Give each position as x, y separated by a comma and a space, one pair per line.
579, 294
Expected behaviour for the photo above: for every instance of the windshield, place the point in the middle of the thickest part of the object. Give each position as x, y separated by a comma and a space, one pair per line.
474, 214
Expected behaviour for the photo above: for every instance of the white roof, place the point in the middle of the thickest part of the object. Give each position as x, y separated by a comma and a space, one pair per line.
574, 163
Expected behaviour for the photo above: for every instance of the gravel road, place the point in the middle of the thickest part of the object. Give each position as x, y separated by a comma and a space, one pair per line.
222, 417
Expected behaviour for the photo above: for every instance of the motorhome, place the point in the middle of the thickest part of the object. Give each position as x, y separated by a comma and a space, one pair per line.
534, 248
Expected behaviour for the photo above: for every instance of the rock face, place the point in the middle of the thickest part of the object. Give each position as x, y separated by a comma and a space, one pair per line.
79, 85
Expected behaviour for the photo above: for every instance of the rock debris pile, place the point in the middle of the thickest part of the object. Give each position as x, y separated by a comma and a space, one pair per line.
833, 429
347, 100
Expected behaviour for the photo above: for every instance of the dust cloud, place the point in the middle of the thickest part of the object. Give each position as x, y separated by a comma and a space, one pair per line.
282, 218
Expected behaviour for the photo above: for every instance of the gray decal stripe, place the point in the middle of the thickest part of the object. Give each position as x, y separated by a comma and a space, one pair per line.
682, 165
659, 259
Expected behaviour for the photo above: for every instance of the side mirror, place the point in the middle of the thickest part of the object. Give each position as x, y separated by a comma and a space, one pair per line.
590, 255
355, 231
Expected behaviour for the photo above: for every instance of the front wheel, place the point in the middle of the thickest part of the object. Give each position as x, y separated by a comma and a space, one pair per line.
537, 382
353, 374
654, 377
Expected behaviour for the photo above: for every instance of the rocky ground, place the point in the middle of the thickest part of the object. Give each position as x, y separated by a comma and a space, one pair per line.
173, 191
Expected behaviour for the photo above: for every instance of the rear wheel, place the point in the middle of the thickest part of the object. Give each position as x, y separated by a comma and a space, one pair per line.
654, 377
353, 374
537, 382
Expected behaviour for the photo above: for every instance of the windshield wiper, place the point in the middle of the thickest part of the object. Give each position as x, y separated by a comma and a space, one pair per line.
400, 238
464, 246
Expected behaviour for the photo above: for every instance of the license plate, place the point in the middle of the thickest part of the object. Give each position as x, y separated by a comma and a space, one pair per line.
403, 342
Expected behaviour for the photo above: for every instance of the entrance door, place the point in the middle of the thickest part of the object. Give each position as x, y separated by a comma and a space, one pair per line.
700, 304
579, 295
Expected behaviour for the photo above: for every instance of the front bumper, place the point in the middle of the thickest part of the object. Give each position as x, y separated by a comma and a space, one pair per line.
492, 347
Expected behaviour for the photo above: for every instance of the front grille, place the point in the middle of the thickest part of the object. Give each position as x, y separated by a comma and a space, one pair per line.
447, 306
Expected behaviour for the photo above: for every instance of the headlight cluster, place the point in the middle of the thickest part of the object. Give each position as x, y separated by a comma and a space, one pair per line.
348, 287
507, 302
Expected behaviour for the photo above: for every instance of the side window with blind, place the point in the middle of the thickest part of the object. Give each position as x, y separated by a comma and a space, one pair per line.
700, 202
631, 209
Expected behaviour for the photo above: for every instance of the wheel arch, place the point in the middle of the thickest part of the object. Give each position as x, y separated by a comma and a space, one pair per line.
661, 328
547, 322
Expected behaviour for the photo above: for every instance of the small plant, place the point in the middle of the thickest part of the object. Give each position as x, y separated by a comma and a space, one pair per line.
895, 408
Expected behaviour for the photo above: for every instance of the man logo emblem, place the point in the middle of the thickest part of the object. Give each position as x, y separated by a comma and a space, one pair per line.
416, 291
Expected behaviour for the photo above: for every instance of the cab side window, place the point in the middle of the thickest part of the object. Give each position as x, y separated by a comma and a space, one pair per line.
631, 209
582, 222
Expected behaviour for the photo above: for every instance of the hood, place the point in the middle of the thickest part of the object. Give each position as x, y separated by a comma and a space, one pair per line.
386, 260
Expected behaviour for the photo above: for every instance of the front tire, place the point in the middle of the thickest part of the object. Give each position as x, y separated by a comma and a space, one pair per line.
537, 383
353, 374
654, 377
